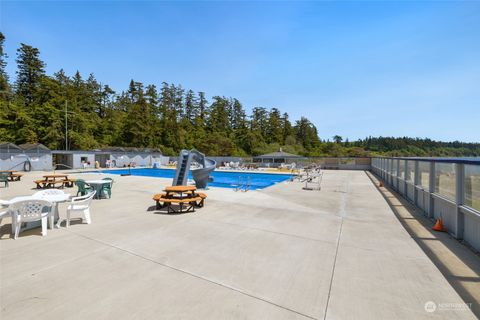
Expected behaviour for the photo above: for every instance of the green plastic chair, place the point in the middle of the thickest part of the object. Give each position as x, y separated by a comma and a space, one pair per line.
4, 178
107, 187
83, 187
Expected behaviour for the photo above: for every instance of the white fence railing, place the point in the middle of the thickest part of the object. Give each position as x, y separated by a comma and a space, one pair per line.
441, 188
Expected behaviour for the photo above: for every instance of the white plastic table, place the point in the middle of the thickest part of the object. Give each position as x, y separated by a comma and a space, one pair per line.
97, 185
55, 199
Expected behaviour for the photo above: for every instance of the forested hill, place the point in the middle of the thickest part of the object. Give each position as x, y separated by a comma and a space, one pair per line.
34, 105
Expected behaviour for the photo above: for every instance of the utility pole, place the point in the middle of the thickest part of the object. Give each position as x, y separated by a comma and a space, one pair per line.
66, 123
66, 126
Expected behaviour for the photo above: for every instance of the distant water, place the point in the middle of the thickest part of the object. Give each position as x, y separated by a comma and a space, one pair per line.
451, 158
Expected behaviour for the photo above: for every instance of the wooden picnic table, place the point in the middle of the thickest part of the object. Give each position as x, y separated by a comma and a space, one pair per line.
52, 180
180, 188
180, 192
55, 176
13, 175
183, 196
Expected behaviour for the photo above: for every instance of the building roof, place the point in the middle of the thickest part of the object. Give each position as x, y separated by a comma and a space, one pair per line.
9, 147
33, 147
128, 150
279, 154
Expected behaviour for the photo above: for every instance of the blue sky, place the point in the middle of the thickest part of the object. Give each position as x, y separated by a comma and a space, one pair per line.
353, 68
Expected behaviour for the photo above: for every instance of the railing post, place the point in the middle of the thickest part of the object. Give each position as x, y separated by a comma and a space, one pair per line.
405, 173
459, 199
385, 170
398, 175
416, 181
431, 190
389, 175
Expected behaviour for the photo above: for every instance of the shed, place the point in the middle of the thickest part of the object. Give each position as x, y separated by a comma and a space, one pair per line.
34, 148
276, 158
25, 157
8, 147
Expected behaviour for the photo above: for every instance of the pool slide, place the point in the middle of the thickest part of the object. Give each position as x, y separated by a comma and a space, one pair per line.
201, 175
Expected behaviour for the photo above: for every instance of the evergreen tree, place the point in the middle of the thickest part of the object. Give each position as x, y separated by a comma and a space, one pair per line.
191, 106
274, 128
338, 139
219, 119
4, 87
202, 105
30, 70
288, 132
306, 134
259, 121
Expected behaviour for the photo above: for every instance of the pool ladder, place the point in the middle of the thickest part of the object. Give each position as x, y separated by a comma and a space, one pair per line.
244, 187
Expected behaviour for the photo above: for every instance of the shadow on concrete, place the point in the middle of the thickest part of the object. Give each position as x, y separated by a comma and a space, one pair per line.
164, 211
457, 262
6, 232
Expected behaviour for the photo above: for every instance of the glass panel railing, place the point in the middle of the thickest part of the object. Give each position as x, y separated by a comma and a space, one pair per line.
394, 166
424, 174
410, 171
445, 180
401, 168
472, 186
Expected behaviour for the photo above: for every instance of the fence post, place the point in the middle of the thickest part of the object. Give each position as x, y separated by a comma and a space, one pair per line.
389, 170
431, 190
398, 176
416, 181
459, 199
384, 169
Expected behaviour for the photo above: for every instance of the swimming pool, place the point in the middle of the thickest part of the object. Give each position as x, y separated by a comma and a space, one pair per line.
220, 179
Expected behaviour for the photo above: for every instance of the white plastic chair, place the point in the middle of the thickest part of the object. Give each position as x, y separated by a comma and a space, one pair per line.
82, 205
5, 212
30, 210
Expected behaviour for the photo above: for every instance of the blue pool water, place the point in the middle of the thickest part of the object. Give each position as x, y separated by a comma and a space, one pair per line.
220, 179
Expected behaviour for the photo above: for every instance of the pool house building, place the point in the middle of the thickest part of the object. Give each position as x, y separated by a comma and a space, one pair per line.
37, 157
276, 159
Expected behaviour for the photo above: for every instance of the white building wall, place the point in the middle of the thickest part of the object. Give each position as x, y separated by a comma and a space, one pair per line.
15, 161
77, 160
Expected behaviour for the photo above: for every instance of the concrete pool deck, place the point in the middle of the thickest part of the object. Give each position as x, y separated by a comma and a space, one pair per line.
276, 253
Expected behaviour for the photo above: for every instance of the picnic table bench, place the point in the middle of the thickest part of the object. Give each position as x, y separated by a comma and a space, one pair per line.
54, 180
12, 175
15, 176
184, 197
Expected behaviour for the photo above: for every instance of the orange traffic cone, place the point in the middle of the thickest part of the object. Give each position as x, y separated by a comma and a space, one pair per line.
381, 184
439, 226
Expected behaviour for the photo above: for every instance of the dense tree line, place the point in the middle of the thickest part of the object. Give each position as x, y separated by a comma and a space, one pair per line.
36, 107
417, 147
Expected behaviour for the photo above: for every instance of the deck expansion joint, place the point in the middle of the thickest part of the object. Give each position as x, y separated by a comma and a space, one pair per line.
198, 277
269, 231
